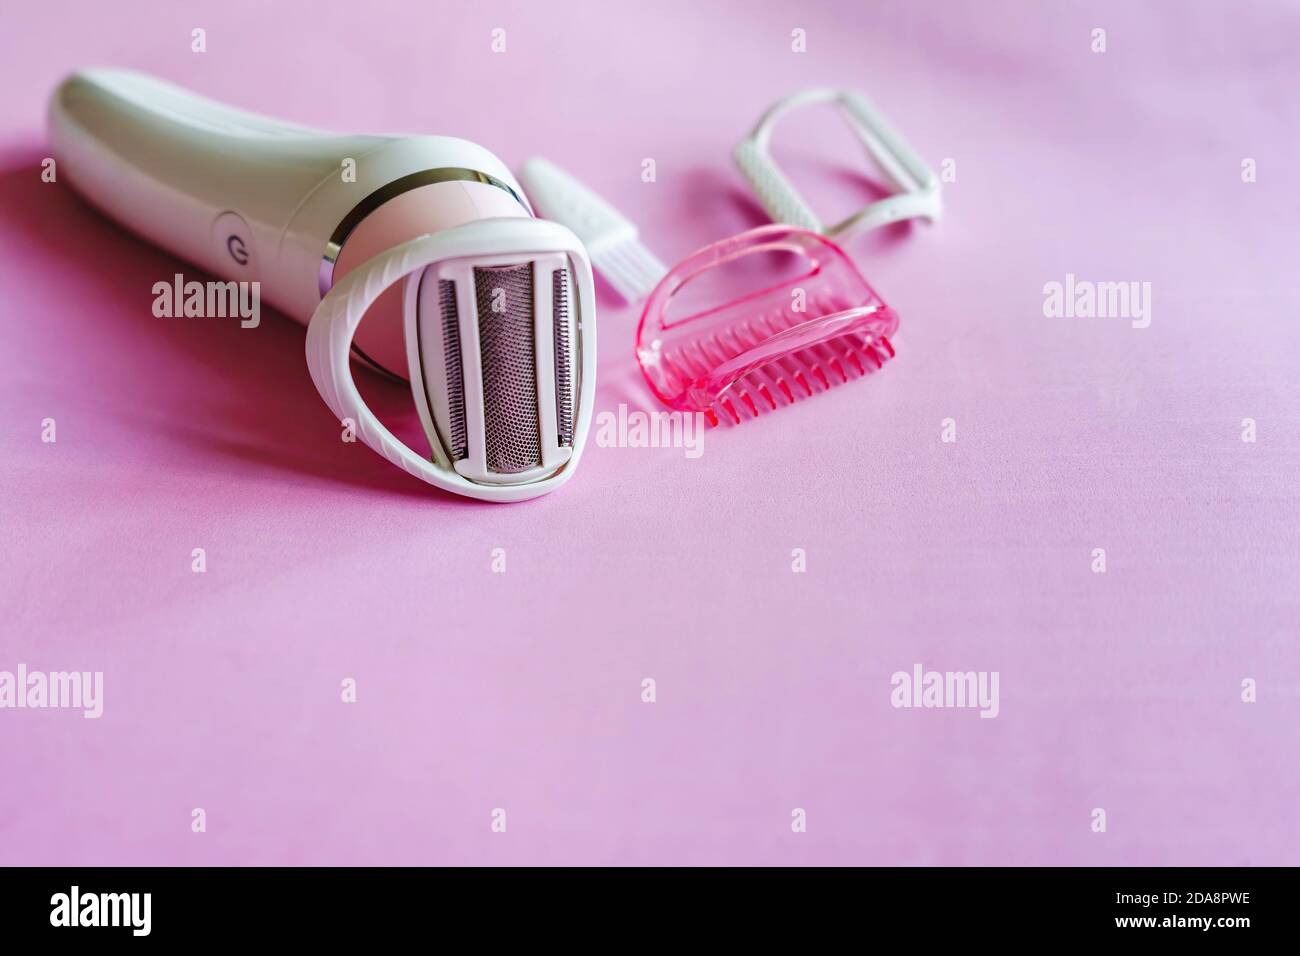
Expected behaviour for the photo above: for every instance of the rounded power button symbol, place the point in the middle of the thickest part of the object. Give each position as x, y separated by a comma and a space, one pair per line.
238, 251
234, 242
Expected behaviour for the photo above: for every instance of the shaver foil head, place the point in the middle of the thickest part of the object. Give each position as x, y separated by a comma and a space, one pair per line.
507, 312
500, 337
515, 317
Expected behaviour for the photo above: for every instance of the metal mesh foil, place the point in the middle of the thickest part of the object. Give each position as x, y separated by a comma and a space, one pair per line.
507, 345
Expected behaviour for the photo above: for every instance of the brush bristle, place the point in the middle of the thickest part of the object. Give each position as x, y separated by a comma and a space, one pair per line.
784, 380
629, 267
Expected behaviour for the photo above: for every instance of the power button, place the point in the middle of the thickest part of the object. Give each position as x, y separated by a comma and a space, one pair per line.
234, 244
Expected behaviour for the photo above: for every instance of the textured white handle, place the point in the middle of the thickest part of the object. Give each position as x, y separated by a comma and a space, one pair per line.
918, 187
775, 192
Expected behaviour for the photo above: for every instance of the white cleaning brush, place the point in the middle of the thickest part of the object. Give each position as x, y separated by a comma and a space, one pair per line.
611, 240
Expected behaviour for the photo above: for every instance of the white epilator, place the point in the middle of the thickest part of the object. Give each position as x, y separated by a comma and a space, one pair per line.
487, 310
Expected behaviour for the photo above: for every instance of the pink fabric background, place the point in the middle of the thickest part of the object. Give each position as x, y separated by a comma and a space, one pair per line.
522, 690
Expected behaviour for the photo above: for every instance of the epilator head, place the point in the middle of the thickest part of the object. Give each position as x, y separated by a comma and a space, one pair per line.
485, 309
496, 356
498, 321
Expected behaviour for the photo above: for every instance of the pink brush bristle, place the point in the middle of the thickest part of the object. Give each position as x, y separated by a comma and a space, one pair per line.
787, 379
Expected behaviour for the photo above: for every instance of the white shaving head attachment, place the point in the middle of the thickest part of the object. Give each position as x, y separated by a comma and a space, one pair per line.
500, 332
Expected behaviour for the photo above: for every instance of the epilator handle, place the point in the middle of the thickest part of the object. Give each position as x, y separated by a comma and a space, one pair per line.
240, 196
